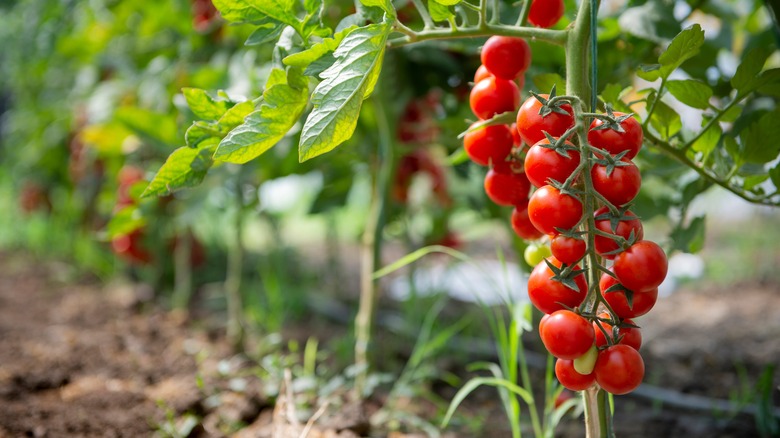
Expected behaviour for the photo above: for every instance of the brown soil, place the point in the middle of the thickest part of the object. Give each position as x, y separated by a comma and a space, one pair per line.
81, 360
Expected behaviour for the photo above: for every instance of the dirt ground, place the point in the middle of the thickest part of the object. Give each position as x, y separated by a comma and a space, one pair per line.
80, 360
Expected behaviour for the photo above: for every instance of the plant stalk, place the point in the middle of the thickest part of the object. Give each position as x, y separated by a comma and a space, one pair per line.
235, 264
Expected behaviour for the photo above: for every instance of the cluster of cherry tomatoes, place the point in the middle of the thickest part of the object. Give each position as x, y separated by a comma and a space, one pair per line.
595, 340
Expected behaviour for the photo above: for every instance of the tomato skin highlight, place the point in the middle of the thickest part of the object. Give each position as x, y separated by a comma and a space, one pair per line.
531, 125
567, 335
506, 57
543, 163
641, 267
508, 189
570, 378
488, 145
549, 295
641, 304
619, 369
522, 225
549, 209
621, 186
616, 142
545, 13
493, 96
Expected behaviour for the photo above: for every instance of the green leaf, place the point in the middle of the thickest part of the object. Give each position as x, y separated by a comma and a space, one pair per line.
690, 239
653, 20
204, 106
732, 114
313, 6
125, 221
304, 58
747, 77
683, 47
242, 11
761, 139
439, 11
152, 125
265, 33
665, 120
338, 98
385, 5
770, 82
284, 100
774, 174
185, 167
546, 81
707, 142
475, 383
200, 130
692, 93
235, 115
446, 2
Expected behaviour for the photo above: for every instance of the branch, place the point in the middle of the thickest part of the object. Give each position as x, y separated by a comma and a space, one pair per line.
557, 37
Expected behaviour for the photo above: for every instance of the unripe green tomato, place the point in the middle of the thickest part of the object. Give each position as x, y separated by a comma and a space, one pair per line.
535, 253
585, 363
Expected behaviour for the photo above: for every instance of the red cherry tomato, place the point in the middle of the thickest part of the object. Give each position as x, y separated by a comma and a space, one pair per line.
522, 225
506, 57
630, 336
507, 188
131, 247
543, 163
516, 135
549, 209
545, 13
549, 295
619, 369
567, 249
531, 125
616, 142
603, 244
641, 267
641, 303
570, 378
481, 73
620, 186
567, 335
493, 96
490, 144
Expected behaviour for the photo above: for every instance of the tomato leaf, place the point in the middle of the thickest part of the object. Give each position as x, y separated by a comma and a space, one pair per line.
385, 5
284, 100
683, 47
304, 58
761, 139
185, 167
203, 105
266, 32
446, 2
338, 98
692, 93
770, 82
202, 130
747, 77
242, 11
707, 142
665, 120
439, 11
653, 20
689, 239
158, 127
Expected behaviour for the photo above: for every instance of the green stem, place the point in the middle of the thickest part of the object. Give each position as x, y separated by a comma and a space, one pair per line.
426, 17
523, 17
655, 102
371, 248
182, 275
235, 264
712, 122
577, 52
557, 37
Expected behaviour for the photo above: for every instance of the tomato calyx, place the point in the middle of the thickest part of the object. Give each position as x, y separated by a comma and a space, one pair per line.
618, 287
611, 121
560, 145
550, 104
610, 162
565, 274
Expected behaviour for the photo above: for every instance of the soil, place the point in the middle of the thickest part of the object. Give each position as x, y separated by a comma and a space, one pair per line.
78, 359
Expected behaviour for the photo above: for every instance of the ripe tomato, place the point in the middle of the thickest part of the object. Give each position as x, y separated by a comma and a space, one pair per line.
543, 163
567, 335
518, 142
620, 186
567, 249
616, 142
545, 13
549, 209
604, 245
493, 96
642, 302
530, 124
506, 57
489, 144
521, 225
641, 267
131, 247
507, 188
630, 336
570, 378
619, 369
481, 73
549, 295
